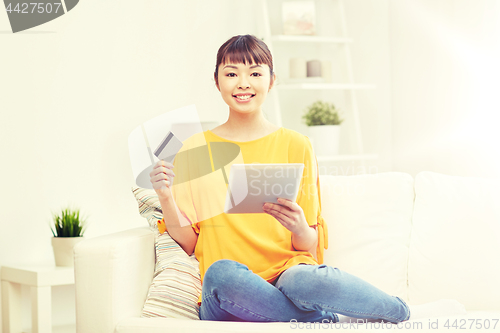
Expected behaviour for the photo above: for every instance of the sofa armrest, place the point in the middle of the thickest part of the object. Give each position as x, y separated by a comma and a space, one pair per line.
112, 277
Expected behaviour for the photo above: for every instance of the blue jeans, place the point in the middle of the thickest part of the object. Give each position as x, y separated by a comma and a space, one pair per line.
305, 293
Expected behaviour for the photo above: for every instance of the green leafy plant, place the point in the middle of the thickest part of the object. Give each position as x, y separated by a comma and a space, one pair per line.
68, 224
322, 113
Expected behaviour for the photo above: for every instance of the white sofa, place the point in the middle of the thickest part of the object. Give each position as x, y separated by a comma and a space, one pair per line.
422, 239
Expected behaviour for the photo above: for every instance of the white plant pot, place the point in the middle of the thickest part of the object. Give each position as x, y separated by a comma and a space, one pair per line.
325, 139
63, 249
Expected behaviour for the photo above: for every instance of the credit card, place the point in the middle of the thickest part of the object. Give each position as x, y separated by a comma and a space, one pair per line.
168, 148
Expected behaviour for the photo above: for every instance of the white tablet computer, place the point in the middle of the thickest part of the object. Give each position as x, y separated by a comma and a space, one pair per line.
252, 185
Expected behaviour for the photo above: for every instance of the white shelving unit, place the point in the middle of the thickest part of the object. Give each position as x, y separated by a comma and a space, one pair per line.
350, 86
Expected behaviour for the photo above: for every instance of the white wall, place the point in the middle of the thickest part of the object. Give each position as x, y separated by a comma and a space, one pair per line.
368, 26
72, 90
445, 70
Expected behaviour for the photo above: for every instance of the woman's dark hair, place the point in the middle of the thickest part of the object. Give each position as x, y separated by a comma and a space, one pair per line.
244, 49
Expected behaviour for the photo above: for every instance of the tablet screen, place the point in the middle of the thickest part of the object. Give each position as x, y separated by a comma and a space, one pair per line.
252, 185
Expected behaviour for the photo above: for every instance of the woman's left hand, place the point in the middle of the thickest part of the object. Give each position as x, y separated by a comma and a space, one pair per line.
288, 213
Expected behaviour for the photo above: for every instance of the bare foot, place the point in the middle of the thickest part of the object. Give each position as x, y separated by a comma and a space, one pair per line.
439, 308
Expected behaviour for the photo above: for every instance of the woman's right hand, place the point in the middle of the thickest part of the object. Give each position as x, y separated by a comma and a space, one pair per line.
162, 178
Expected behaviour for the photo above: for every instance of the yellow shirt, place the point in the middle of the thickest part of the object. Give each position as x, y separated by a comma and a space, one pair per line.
257, 240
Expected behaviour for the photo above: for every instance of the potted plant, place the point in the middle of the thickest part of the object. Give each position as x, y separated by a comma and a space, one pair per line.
68, 228
323, 120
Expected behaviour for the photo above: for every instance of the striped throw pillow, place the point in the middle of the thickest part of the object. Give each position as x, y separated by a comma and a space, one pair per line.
176, 282
149, 205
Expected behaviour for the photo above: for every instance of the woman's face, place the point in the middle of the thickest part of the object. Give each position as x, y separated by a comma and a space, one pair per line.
244, 87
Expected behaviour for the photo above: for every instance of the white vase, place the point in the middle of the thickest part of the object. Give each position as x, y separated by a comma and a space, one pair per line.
325, 139
63, 249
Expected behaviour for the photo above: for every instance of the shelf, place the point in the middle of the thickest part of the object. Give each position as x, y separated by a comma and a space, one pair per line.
312, 39
325, 86
357, 157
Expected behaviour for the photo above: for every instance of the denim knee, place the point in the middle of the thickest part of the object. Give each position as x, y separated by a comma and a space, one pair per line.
223, 272
302, 280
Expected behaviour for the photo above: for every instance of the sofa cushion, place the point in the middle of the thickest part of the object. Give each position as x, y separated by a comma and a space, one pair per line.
369, 222
455, 241
176, 282
149, 205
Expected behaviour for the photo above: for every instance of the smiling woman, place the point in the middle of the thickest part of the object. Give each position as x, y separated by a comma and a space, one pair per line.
265, 266
244, 87
244, 75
